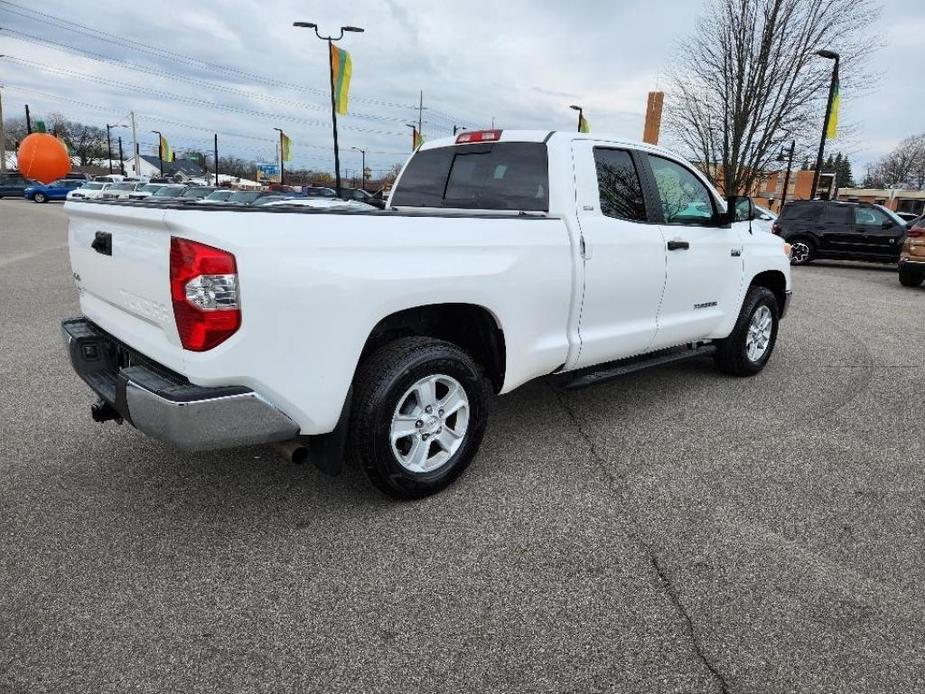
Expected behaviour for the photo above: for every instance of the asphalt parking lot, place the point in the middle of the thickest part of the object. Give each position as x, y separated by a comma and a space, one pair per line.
676, 531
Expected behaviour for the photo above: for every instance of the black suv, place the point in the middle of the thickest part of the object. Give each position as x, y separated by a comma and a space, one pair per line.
12, 184
840, 231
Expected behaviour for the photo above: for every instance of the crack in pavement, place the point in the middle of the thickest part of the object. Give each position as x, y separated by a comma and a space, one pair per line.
635, 534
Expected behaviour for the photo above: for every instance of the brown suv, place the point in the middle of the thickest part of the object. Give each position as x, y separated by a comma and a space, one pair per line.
912, 260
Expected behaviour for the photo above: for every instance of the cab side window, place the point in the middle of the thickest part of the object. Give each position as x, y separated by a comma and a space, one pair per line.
618, 184
684, 198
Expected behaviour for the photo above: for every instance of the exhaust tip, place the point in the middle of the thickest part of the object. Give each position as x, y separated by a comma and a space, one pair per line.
292, 451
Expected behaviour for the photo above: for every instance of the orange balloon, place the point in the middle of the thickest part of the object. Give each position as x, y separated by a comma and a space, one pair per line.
43, 157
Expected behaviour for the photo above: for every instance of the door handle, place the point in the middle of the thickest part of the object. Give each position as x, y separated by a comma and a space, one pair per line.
102, 243
678, 245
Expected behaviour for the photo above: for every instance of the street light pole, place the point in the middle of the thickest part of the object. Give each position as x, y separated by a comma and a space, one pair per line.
282, 175
121, 158
109, 142
783, 197
160, 150
363, 170
581, 114
828, 55
331, 40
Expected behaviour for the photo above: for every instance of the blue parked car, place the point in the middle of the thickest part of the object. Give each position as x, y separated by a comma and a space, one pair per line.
56, 190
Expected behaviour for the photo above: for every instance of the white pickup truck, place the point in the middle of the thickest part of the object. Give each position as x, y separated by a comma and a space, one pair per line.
380, 337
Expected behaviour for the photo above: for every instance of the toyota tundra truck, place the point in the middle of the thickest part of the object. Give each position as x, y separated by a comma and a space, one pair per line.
380, 337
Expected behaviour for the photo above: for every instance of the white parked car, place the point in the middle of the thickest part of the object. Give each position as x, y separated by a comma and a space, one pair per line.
146, 191
121, 191
381, 337
91, 190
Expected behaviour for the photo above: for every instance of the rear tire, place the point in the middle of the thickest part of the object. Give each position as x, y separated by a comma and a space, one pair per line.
802, 251
408, 445
911, 278
40, 197
748, 348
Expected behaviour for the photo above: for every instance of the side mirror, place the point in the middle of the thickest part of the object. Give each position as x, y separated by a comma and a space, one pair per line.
887, 225
739, 208
910, 225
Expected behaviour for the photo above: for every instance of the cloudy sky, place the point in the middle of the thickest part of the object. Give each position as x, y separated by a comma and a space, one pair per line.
239, 68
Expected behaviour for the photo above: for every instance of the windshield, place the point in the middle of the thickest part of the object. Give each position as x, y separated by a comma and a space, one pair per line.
219, 195
320, 193
892, 215
245, 196
123, 186
167, 191
92, 186
150, 188
197, 192
494, 176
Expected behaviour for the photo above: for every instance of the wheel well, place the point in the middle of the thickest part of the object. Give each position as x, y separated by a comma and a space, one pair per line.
471, 327
776, 282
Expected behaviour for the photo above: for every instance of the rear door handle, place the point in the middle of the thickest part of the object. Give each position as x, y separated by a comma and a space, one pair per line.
678, 245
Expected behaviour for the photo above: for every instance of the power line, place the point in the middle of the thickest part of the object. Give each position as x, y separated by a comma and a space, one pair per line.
116, 39
30, 38
193, 101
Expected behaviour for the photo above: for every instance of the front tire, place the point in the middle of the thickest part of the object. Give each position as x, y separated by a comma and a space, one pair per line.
748, 348
40, 197
911, 278
419, 414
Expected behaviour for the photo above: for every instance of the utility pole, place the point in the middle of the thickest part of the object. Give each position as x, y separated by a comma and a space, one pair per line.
331, 40
28, 121
121, 158
135, 146
216, 159
2, 137
109, 143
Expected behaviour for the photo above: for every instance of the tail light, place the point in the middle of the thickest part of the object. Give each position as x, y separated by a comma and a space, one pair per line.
916, 233
204, 290
776, 228
478, 136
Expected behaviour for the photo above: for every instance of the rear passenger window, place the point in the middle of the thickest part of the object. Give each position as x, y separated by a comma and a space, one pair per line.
618, 184
805, 213
497, 176
869, 216
835, 214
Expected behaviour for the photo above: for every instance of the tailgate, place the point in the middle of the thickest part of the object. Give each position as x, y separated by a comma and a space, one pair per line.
120, 256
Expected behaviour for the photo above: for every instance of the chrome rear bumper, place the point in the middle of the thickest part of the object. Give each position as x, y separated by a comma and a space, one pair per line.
165, 405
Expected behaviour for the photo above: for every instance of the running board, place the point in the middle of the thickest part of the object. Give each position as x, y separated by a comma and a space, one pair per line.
609, 372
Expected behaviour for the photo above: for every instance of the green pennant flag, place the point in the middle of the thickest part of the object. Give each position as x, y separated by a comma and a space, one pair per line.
40, 126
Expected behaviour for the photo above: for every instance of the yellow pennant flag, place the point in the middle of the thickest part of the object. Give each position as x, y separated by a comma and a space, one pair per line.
166, 152
342, 69
285, 144
583, 125
832, 131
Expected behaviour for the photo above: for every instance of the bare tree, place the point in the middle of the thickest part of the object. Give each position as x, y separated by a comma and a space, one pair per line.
904, 167
748, 80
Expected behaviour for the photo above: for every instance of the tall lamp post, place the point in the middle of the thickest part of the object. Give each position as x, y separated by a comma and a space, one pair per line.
331, 41
363, 170
121, 158
581, 114
160, 150
414, 135
282, 175
786, 156
109, 142
828, 55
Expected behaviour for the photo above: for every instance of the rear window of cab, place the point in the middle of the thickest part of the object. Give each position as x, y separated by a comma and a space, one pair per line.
493, 176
